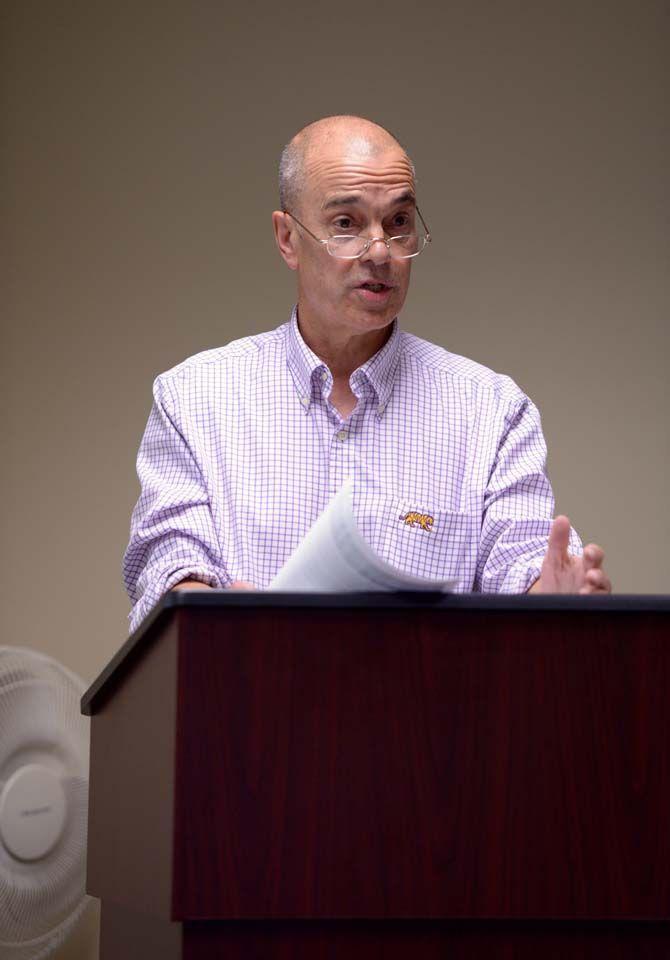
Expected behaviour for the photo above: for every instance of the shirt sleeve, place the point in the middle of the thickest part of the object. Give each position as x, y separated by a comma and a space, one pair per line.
172, 532
518, 508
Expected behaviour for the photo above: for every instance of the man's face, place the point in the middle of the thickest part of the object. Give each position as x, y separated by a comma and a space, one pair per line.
351, 189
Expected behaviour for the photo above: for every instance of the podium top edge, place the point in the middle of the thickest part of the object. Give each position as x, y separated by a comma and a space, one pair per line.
567, 603
636, 603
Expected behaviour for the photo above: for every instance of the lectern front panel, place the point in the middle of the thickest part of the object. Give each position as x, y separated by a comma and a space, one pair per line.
422, 764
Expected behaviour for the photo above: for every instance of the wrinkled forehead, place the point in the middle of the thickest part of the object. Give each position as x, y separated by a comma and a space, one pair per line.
357, 166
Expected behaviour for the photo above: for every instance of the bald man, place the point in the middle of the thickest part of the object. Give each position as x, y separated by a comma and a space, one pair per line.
246, 444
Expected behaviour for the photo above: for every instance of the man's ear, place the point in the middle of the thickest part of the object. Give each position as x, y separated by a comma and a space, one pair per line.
285, 235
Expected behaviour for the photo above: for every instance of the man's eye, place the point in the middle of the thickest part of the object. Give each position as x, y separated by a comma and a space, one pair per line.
343, 223
401, 220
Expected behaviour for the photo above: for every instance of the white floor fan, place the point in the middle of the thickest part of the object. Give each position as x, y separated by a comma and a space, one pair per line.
44, 742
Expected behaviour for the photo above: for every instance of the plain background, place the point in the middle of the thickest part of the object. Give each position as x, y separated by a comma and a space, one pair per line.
139, 174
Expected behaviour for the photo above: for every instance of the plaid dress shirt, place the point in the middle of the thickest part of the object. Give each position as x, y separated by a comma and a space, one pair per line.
243, 450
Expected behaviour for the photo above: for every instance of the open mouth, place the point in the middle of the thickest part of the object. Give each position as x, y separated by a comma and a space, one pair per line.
373, 294
375, 287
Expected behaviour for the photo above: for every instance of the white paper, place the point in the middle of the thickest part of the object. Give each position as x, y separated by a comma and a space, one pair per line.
334, 557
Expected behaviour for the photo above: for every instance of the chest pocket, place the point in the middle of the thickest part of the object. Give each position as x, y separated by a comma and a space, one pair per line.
420, 540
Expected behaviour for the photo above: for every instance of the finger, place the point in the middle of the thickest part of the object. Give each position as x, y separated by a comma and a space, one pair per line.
559, 538
596, 581
241, 585
593, 556
599, 580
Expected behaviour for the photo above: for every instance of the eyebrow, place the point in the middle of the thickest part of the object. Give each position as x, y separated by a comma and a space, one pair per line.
353, 198
405, 198
342, 201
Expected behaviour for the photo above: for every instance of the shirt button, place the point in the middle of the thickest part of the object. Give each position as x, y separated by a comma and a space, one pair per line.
304, 401
342, 435
324, 375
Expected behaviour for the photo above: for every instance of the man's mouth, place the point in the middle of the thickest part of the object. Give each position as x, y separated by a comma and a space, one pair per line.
375, 287
374, 293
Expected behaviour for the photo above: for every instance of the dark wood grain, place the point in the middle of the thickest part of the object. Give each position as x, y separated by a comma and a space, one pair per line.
424, 940
416, 764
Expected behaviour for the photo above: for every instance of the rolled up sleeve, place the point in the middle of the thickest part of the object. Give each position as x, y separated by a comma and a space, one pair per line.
172, 534
518, 508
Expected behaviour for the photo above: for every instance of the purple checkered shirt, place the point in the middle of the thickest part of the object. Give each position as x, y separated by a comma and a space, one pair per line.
243, 450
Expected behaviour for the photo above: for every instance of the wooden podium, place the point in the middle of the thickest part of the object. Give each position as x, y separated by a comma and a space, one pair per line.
384, 776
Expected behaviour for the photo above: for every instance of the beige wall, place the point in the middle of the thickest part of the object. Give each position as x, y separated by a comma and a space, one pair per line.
142, 147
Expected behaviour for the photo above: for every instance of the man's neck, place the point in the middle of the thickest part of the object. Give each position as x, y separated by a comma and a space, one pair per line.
342, 355
341, 351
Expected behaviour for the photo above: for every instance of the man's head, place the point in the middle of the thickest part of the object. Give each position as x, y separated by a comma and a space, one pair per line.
341, 176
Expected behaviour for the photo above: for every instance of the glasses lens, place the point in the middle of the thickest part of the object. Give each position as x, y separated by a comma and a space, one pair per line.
407, 246
348, 248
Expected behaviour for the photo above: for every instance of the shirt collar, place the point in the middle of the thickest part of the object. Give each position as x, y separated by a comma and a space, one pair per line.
303, 363
381, 368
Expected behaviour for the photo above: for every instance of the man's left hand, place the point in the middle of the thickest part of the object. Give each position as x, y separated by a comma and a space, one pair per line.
563, 573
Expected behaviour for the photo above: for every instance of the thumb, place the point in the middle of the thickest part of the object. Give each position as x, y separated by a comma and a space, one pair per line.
559, 538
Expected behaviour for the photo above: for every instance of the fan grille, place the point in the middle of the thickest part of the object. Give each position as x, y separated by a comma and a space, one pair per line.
41, 722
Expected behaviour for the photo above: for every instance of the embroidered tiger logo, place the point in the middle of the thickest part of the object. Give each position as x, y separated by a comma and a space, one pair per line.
415, 519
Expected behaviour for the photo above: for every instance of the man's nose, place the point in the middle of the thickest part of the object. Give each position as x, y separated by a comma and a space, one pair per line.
378, 251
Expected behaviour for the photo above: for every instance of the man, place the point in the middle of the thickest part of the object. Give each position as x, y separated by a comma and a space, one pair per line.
246, 444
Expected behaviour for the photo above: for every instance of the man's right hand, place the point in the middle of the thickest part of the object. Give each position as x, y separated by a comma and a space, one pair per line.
198, 585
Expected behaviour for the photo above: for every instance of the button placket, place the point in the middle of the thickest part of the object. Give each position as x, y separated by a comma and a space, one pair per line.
342, 456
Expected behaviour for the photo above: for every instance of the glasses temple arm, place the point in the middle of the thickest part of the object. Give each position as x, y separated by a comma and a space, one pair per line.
306, 229
425, 225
